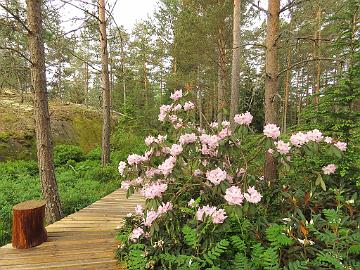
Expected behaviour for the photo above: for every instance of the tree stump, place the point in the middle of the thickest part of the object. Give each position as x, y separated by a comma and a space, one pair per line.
28, 229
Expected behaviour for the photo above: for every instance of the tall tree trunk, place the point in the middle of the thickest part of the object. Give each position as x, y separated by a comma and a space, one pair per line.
235, 65
286, 92
105, 85
221, 74
317, 55
272, 79
41, 111
86, 83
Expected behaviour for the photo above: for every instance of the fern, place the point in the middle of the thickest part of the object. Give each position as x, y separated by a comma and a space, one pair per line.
241, 262
354, 249
257, 251
214, 253
136, 258
238, 243
297, 265
276, 235
270, 260
330, 259
190, 236
332, 216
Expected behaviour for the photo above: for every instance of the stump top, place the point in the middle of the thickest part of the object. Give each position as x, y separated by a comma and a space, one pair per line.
32, 204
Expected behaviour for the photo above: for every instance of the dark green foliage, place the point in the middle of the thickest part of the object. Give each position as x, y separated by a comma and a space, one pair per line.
65, 153
213, 255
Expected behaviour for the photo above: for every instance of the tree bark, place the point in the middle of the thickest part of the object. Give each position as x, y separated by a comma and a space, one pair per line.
317, 55
41, 111
271, 79
235, 65
105, 86
221, 74
28, 228
286, 92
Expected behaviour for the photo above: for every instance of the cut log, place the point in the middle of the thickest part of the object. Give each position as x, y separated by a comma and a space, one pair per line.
28, 229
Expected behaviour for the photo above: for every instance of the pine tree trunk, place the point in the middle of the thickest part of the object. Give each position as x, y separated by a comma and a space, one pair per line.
221, 74
317, 56
41, 111
272, 79
235, 65
105, 85
286, 93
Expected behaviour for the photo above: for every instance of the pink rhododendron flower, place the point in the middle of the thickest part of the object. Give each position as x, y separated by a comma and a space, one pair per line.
136, 233
187, 138
224, 133
152, 190
150, 218
176, 149
173, 118
135, 159
164, 109
243, 119
225, 123
240, 172
188, 106
341, 145
125, 185
149, 140
298, 139
234, 196
167, 166
177, 108
139, 210
270, 151
282, 147
328, 140
121, 168
176, 95
216, 176
214, 124
271, 131
160, 139
329, 169
217, 216
252, 195
314, 135
163, 208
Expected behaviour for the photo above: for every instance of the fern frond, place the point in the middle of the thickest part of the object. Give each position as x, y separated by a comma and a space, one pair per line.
257, 252
354, 249
238, 243
241, 262
330, 259
297, 265
276, 235
270, 260
190, 236
136, 259
214, 253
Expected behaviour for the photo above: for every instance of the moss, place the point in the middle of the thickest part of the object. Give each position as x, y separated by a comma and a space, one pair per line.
88, 132
4, 136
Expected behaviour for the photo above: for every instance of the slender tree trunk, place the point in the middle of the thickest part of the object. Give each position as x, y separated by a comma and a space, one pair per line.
317, 56
272, 79
86, 83
221, 74
105, 85
286, 92
235, 65
41, 111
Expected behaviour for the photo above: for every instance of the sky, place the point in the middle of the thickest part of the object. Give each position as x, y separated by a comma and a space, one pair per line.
126, 12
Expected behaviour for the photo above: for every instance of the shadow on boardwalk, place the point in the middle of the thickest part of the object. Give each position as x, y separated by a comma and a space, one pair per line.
83, 240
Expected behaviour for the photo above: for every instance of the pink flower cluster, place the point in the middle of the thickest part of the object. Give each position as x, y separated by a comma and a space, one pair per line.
329, 169
216, 176
135, 159
298, 139
209, 144
136, 233
341, 145
167, 166
271, 131
152, 215
224, 133
152, 190
243, 119
187, 138
176, 150
176, 95
234, 196
217, 215
149, 140
164, 109
282, 147
252, 195
188, 106
121, 168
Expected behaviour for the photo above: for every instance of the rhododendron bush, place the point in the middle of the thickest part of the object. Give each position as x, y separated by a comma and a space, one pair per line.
207, 205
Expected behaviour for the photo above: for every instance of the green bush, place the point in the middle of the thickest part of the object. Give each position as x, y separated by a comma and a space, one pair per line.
64, 153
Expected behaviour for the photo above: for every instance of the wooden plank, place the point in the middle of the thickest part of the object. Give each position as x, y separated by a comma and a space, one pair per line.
83, 240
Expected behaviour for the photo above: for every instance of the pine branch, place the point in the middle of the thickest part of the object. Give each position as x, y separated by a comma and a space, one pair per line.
303, 62
291, 4
16, 51
16, 17
258, 6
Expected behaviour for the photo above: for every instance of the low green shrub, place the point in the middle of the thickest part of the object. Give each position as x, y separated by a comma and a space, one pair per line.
64, 153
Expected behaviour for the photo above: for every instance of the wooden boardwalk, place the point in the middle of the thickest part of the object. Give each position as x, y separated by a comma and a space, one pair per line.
83, 240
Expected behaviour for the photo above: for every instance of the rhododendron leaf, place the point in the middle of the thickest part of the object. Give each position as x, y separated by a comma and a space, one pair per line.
322, 184
336, 152
318, 180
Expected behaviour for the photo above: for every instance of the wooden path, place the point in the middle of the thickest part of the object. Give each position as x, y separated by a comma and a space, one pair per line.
83, 240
